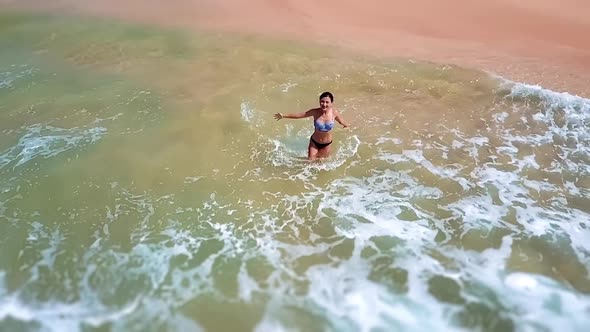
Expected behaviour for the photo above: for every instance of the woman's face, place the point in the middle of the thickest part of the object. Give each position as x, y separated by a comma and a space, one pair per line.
325, 103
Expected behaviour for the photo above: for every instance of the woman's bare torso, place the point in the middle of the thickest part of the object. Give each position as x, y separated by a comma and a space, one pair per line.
328, 116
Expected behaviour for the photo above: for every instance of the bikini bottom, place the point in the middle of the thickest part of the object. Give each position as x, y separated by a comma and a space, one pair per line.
320, 145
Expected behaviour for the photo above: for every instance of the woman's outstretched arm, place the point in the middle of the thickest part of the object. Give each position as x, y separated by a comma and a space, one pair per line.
340, 120
300, 115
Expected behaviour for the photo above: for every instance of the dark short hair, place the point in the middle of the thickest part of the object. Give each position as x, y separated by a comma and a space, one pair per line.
327, 94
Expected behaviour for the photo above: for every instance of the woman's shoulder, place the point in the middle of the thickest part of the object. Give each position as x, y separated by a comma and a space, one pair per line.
314, 111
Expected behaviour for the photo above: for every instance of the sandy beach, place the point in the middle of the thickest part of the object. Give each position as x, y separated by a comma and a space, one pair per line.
538, 42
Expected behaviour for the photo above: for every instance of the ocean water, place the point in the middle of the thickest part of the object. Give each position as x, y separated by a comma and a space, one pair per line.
145, 186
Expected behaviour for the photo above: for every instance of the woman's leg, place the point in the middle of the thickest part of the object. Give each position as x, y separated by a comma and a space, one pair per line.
312, 151
324, 152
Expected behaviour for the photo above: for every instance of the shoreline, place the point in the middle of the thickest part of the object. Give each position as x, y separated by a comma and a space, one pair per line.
537, 42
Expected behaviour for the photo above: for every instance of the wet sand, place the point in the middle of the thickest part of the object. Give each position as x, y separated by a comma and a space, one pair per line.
533, 41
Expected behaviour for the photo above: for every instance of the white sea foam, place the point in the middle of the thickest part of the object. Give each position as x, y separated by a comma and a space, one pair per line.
60, 316
352, 303
13, 74
534, 301
552, 99
247, 111
46, 141
100, 281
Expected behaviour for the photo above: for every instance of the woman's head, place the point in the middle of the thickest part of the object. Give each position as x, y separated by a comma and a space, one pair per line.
326, 100
327, 94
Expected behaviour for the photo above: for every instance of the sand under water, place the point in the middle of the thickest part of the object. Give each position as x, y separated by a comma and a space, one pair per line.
144, 185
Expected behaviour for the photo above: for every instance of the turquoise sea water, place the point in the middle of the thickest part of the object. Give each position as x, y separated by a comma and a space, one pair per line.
144, 185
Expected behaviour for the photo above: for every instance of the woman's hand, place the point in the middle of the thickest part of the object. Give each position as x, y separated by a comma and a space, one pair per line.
278, 116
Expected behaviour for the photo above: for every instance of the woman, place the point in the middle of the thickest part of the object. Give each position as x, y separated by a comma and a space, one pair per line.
323, 121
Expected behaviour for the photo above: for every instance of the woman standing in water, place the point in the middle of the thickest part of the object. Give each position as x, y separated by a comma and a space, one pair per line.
323, 122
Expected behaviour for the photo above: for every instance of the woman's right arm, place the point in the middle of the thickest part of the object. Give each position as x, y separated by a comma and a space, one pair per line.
300, 115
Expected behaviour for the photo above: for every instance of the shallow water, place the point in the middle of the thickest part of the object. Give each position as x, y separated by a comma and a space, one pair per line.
144, 185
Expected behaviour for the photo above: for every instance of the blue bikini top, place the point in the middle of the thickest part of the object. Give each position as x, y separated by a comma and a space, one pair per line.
323, 126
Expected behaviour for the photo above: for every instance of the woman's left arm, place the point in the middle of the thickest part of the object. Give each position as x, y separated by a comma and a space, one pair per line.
340, 120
